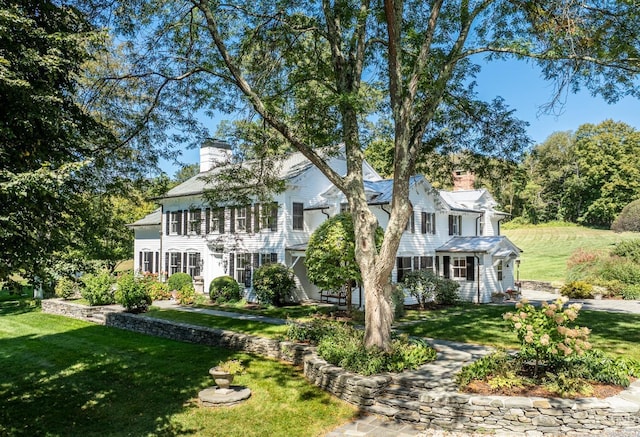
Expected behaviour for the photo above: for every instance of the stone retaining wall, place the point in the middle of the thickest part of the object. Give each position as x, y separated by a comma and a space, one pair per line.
437, 408
538, 285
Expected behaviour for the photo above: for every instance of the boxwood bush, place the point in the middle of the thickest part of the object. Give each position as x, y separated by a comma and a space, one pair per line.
179, 280
224, 289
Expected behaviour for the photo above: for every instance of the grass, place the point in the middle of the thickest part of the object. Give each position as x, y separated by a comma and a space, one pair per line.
63, 376
286, 312
244, 326
547, 248
614, 333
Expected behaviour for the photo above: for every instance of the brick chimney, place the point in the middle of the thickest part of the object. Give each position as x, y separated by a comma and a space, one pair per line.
214, 152
463, 180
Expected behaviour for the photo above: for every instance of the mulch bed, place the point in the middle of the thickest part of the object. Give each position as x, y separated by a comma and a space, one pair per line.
600, 391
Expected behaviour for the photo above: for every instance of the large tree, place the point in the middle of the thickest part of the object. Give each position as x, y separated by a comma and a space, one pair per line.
319, 72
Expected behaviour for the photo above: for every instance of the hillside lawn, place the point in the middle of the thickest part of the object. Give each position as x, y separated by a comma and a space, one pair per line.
546, 248
62, 376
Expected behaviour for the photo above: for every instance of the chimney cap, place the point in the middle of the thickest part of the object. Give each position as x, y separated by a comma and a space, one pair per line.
216, 143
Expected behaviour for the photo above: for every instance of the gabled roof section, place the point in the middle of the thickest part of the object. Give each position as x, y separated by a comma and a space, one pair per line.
498, 245
152, 219
293, 165
382, 190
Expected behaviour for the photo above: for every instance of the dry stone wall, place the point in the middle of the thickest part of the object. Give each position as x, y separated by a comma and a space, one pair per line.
436, 408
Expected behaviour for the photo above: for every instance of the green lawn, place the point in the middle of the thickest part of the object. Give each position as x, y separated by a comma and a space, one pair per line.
547, 248
614, 333
251, 327
64, 377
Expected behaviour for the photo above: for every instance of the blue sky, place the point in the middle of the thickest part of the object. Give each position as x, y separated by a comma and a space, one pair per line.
519, 83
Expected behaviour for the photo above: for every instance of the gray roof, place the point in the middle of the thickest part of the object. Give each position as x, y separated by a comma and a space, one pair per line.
383, 190
455, 201
152, 219
494, 244
292, 165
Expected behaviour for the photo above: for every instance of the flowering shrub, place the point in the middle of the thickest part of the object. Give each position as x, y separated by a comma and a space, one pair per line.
543, 333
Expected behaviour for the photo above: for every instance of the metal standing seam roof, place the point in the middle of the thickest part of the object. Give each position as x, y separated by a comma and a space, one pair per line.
479, 244
152, 219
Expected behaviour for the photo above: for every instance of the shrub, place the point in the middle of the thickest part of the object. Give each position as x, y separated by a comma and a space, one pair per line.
67, 288
98, 288
447, 292
132, 294
343, 345
224, 289
179, 280
421, 284
158, 291
186, 295
426, 286
494, 364
629, 249
628, 219
543, 333
397, 301
620, 269
273, 283
577, 290
631, 292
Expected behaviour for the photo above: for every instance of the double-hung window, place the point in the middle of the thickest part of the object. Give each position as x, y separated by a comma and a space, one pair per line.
193, 264
298, 216
459, 266
455, 225
174, 220
195, 221
175, 259
403, 266
241, 219
428, 223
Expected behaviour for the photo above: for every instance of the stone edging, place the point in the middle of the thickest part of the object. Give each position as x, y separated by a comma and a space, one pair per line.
435, 408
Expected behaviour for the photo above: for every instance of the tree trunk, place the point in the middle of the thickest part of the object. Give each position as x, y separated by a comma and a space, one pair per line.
378, 311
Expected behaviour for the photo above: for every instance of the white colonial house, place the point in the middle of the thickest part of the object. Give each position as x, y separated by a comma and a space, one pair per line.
456, 234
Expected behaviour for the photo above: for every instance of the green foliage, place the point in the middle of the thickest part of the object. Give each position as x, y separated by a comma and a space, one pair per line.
132, 293
330, 256
224, 289
67, 288
158, 291
397, 301
595, 365
495, 364
631, 292
273, 284
543, 332
566, 385
629, 218
343, 345
186, 295
425, 286
179, 280
98, 288
577, 290
629, 249
447, 292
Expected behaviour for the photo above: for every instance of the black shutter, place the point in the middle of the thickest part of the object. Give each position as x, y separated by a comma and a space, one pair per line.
231, 265
247, 214
424, 222
185, 222
416, 263
168, 223
274, 257
446, 260
199, 225
471, 268
256, 260
459, 225
141, 265
184, 262
450, 225
232, 220
256, 217
179, 226
433, 223
166, 262
221, 220
157, 270
207, 221
150, 262
274, 216
413, 222
437, 264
